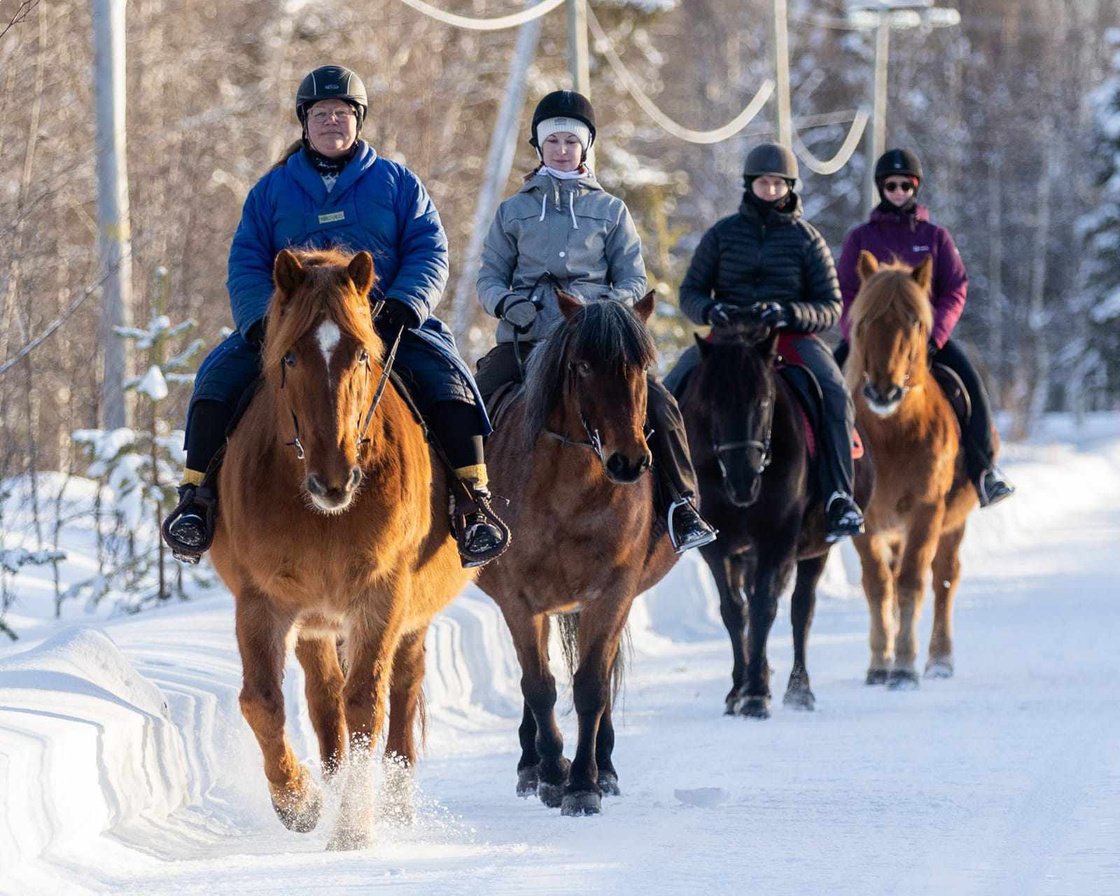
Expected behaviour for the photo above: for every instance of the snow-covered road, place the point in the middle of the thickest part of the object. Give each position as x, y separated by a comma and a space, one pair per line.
125, 766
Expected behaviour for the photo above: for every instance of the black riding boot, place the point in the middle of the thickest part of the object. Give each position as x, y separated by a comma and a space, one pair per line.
676, 476
189, 528
479, 532
842, 515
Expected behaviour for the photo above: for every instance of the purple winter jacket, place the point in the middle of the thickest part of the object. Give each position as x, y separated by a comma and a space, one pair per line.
910, 238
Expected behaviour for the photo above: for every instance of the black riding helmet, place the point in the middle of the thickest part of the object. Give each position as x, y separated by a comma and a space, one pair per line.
563, 104
331, 82
770, 159
898, 161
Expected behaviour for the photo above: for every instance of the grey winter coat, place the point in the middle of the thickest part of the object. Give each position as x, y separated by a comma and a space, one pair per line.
572, 229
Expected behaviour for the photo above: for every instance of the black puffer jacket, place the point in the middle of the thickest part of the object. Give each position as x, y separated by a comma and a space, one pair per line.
745, 259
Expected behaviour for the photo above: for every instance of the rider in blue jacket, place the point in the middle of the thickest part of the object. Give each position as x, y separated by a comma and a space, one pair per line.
331, 189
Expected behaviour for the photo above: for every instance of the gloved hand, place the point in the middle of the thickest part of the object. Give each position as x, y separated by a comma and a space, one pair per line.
721, 314
396, 315
771, 314
520, 313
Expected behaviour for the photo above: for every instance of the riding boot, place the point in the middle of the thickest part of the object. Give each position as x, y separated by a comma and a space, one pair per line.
189, 528
479, 532
842, 515
676, 476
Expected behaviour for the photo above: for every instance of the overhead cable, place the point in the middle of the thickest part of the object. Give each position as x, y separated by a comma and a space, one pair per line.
847, 149
494, 24
740, 121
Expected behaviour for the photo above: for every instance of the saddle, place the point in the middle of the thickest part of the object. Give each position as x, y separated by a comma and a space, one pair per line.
955, 391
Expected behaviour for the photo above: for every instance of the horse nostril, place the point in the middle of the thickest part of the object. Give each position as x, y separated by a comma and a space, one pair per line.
616, 464
315, 485
646, 462
355, 477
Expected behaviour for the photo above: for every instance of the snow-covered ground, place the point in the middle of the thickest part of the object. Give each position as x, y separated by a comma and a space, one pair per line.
125, 766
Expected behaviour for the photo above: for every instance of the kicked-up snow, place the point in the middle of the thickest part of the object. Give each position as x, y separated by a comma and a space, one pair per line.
125, 766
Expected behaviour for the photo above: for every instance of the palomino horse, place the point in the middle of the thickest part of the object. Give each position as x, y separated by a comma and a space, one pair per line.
921, 497
333, 523
748, 441
571, 452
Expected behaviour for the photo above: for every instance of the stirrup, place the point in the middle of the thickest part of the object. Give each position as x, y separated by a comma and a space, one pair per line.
195, 511
849, 523
992, 487
475, 503
700, 534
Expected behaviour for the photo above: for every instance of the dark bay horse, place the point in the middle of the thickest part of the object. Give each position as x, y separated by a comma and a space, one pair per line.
748, 442
333, 523
571, 454
921, 497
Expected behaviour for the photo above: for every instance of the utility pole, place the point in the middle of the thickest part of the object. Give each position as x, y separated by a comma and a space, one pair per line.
499, 161
113, 232
578, 63
781, 69
879, 111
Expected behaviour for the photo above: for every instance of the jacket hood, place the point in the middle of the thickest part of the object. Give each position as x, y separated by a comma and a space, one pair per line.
880, 215
773, 217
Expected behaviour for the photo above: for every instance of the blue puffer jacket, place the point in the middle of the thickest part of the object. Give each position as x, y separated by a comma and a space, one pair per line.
376, 205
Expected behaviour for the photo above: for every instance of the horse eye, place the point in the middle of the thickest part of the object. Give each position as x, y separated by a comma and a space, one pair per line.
363, 356
583, 368
290, 359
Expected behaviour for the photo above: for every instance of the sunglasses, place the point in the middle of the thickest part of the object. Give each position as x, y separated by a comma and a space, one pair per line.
893, 186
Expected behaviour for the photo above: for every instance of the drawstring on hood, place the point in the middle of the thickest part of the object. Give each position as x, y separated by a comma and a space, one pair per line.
554, 183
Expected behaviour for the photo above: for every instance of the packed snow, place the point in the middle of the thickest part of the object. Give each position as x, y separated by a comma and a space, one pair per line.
126, 768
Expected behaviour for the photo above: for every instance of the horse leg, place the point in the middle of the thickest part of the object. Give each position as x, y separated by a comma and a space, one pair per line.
600, 629
878, 586
798, 692
318, 655
371, 645
946, 577
762, 608
542, 764
604, 750
731, 605
917, 557
261, 633
405, 704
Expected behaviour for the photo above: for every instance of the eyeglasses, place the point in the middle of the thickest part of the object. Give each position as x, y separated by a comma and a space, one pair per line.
893, 186
322, 116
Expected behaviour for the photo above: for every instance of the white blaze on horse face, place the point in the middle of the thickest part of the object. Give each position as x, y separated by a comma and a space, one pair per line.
328, 335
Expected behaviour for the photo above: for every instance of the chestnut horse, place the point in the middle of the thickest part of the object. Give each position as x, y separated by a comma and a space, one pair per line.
748, 441
570, 451
921, 496
333, 524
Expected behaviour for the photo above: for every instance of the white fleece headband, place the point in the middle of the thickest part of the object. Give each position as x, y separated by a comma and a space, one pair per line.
561, 124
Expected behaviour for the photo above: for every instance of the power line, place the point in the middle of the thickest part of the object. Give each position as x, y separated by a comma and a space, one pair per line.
494, 24
740, 121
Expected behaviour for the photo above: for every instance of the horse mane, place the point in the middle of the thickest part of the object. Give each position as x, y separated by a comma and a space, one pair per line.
890, 294
726, 376
605, 330
326, 294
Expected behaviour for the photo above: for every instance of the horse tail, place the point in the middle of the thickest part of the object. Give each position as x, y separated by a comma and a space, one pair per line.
568, 627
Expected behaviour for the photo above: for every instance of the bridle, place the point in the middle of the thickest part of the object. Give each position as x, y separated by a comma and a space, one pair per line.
759, 446
289, 361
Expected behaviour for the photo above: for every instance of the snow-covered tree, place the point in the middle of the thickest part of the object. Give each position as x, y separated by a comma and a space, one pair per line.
137, 469
1098, 299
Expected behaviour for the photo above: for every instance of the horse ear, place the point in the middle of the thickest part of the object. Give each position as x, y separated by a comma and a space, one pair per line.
644, 306
923, 273
287, 273
570, 305
360, 272
867, 266
702, 344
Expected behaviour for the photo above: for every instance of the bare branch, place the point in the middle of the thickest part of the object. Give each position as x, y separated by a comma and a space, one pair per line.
22, 11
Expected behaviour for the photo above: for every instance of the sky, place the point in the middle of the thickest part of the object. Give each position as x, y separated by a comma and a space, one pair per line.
126, 768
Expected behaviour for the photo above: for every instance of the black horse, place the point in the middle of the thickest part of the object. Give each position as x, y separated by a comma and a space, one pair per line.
748, 439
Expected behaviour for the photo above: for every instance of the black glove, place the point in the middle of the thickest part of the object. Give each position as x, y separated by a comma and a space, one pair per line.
721, 314
520, 314
396, 315
770, 314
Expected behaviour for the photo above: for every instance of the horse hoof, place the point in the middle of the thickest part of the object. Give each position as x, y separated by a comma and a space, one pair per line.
608, 783
730, 705
877, 676
942, 668
299, 811
552, 795
755, 707
348, 840
528, 780
903, 680
800, 698
581, 803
